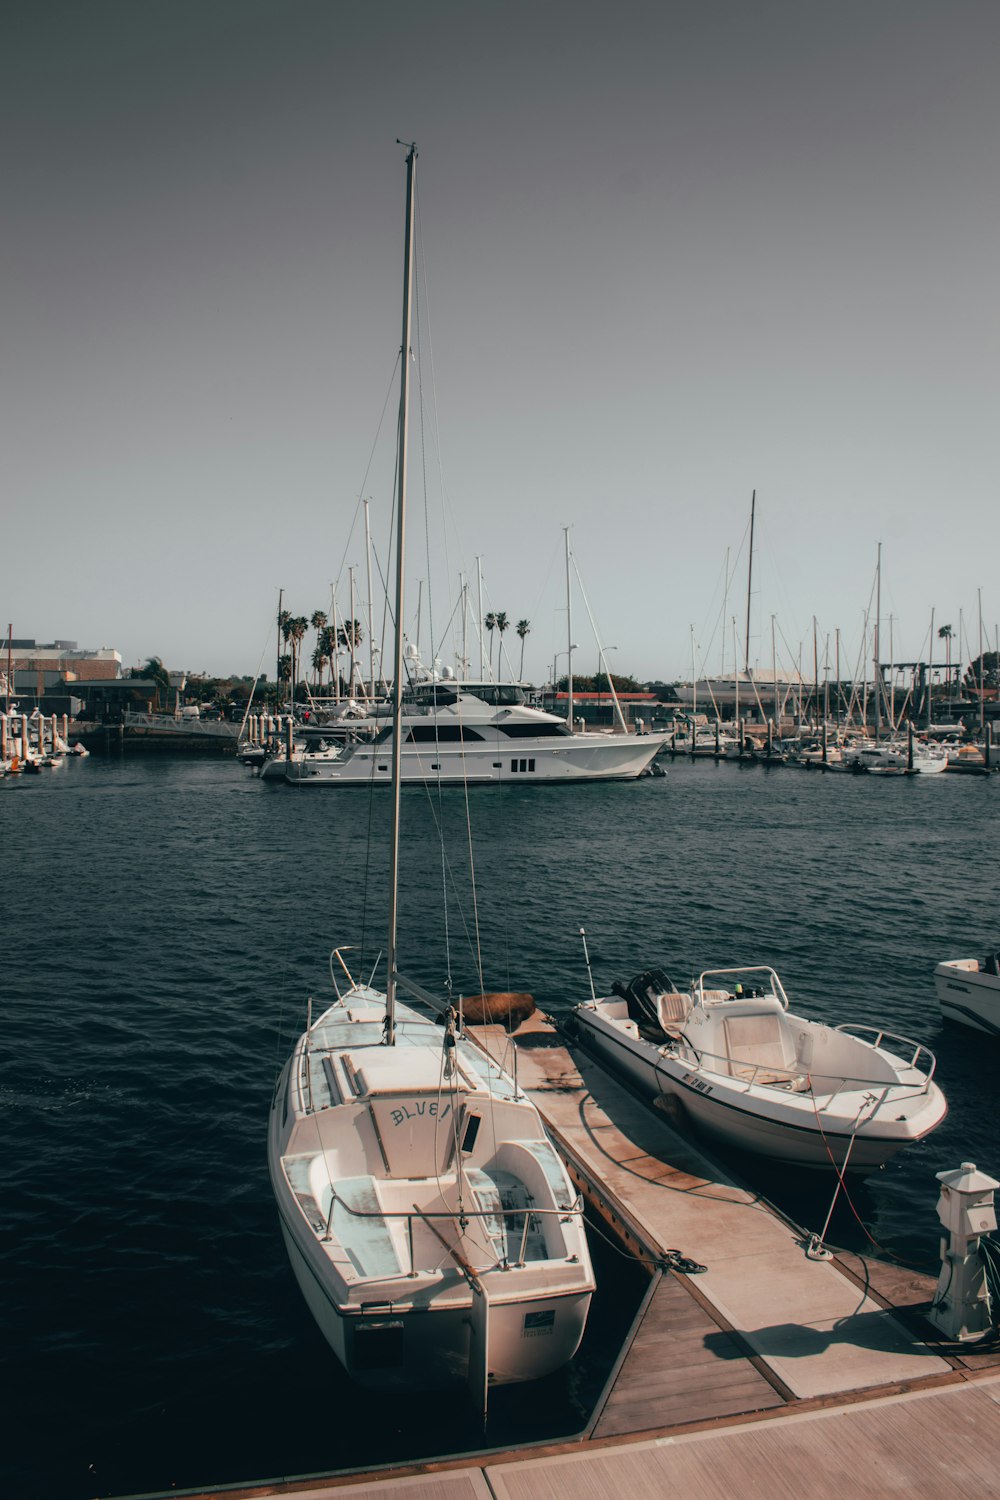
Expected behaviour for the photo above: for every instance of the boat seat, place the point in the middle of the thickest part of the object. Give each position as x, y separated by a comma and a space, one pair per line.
367, 1240
758, 1048
673, 1010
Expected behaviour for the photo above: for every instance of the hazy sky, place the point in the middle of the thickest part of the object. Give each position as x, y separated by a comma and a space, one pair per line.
669, 254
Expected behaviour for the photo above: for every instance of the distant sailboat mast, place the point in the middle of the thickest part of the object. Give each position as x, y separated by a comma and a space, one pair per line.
753, 511
877, 679
569, 639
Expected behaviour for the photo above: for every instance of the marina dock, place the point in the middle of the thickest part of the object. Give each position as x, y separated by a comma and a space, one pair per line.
769, 1371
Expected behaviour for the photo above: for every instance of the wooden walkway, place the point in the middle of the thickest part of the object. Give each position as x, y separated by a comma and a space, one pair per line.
769, 1374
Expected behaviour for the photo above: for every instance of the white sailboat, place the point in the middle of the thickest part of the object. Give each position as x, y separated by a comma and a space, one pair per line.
430, 1223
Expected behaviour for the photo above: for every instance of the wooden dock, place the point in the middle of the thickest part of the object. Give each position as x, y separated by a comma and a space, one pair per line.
771, 1373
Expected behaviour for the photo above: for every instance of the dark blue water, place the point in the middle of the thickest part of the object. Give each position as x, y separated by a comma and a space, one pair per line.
164, 922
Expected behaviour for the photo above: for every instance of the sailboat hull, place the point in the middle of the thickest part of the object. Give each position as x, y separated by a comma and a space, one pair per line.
403, 1348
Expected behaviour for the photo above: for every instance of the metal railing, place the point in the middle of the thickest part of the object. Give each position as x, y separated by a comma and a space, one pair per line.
853, 1028
777, 988
748, 1074
528, 1211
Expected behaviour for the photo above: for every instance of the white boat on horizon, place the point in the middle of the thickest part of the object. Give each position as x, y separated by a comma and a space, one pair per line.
757, 1078
968, 990
454, 732
896, 757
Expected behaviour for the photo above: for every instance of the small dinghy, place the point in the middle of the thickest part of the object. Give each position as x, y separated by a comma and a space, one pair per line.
758, 1078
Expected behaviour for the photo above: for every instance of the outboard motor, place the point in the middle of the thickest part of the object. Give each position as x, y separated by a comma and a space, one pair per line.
642, 993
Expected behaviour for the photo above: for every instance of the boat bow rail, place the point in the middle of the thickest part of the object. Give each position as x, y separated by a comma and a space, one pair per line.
915, 1049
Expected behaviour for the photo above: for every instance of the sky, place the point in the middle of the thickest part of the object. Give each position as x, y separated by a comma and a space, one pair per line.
669, 255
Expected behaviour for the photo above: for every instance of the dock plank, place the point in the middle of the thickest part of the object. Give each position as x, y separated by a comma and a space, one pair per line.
680, 1368
933, 1444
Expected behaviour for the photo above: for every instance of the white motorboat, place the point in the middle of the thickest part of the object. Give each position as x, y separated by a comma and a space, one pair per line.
928, 759
896, 758
758, 1078
886, 758
449, 733
430, 1224
968, 990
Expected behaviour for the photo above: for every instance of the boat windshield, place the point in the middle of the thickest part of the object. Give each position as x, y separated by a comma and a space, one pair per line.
434, 694
504, 694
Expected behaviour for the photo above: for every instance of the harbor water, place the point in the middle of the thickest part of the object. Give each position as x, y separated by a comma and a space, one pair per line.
166, 920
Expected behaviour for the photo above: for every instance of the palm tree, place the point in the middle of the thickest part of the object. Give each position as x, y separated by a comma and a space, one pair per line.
491, 624
297, 628
502, 624
523, 629
319, 661
327, 643
318, 622
154, 671
349, 638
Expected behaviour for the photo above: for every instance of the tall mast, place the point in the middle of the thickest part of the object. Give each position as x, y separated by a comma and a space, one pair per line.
371, 637
352, 628
753, 512
569, 640
277, 665
725, 612
464, 592
397, 675
336, 640
694, 686
482, 636
736, 684
877, 678
982, 678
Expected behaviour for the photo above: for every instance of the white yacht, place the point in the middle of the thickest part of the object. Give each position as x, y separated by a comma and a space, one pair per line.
459, 732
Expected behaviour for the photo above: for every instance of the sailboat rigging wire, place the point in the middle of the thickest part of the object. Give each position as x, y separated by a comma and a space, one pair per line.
597, 638
364, 482
753, 682
424, 336
260, 665
430, 616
